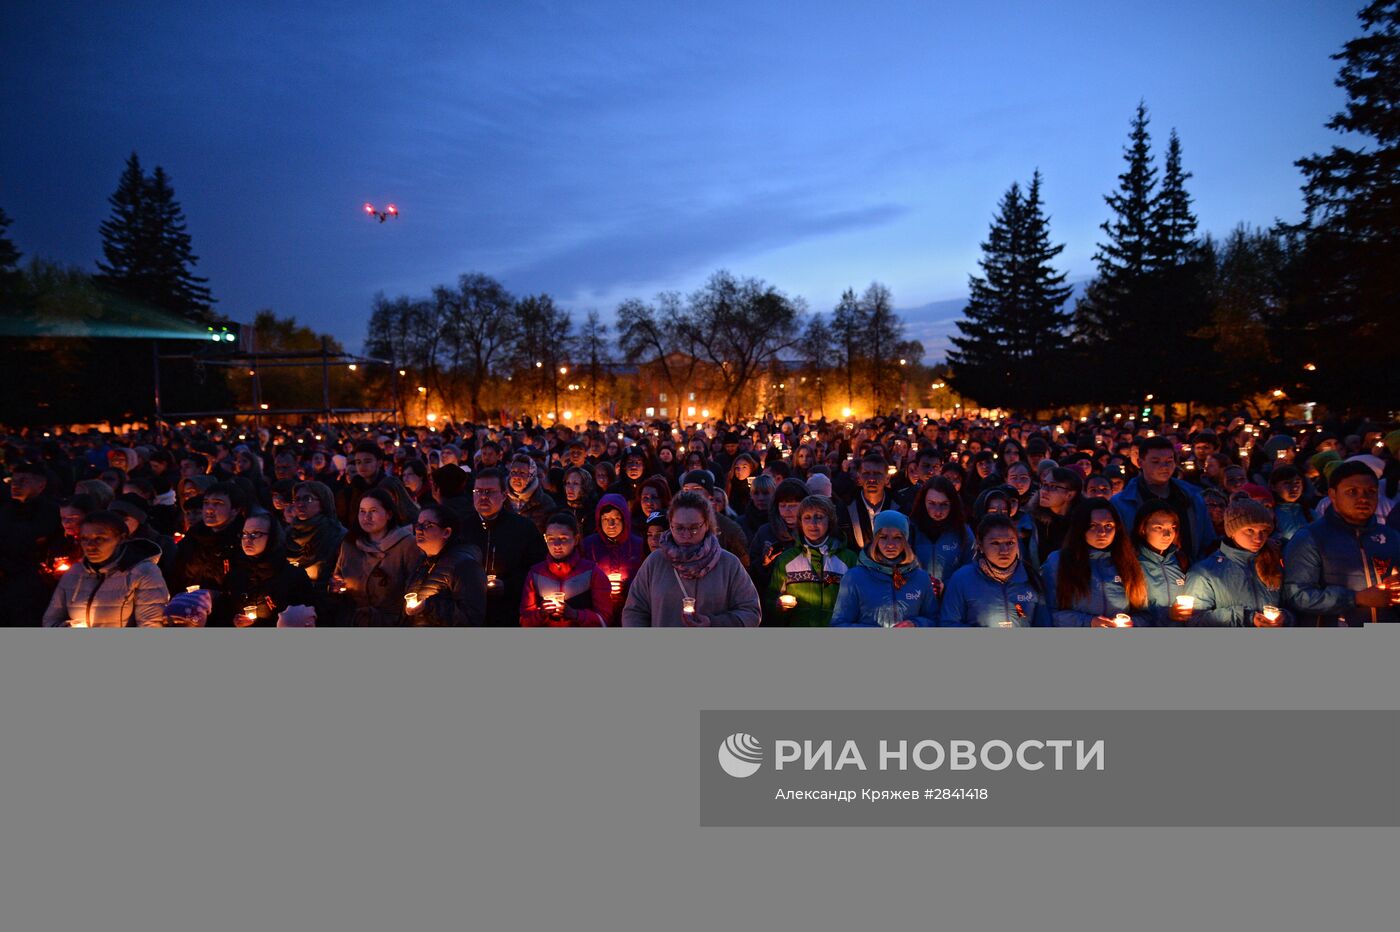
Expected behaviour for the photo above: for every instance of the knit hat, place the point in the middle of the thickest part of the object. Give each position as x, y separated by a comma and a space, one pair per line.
189, 609
125, 506
1392, 442
1246, 512
1320, 461
891, 519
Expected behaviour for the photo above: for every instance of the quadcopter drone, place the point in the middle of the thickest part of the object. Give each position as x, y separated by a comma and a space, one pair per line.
389, 211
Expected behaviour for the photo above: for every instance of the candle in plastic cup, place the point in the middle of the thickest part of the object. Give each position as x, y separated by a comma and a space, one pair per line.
1122, 621
787, 601
410, 599
688, 605
490, 580
250, 612
77, 623
191, 588
1270, 612
1187, 603
615, 582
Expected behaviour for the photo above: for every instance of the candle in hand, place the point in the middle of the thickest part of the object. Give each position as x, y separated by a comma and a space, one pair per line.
1270, 612
1187, 603
410, 600
787, 601
1122, 621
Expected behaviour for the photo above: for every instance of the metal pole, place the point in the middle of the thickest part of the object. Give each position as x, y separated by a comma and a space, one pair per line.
155, 378
257, 383
325, 381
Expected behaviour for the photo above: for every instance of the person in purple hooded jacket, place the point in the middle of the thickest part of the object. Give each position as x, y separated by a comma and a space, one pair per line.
617, 551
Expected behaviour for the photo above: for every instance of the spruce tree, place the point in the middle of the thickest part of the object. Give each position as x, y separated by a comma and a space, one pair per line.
1111, 320
9, 253
1015, 328
1352, 225
1173, 223
146, 246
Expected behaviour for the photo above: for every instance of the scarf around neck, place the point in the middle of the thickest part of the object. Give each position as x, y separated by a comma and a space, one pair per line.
991, 572
692, 562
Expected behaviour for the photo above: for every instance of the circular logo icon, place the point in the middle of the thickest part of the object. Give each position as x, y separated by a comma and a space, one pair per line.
741, 755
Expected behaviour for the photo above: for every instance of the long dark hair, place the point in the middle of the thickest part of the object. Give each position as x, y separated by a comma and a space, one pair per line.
923, 521
1072, 581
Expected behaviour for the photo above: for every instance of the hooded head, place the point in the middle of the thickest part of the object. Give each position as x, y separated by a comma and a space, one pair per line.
613, 501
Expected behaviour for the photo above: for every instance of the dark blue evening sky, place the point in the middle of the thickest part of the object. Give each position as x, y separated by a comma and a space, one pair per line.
604, 150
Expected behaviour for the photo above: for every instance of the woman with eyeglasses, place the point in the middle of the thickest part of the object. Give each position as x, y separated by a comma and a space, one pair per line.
1095, 580
316, 533
566, 590
262, 584
447, 587
376, 559
691, 581
997, 589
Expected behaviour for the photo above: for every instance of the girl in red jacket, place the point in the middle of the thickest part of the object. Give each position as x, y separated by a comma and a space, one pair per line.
566, 590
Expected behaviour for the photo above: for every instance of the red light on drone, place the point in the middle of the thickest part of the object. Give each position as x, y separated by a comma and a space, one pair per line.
391, 209
369, 208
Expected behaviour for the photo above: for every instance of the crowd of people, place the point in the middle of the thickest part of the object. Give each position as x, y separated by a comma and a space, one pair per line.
897, 521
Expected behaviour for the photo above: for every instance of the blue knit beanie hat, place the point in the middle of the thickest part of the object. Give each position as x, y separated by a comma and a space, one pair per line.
891, 519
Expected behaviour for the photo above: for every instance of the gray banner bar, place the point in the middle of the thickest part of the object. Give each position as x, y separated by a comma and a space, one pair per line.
1049, 768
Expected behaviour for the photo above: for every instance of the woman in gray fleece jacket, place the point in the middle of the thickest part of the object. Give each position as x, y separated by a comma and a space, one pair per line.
690, 581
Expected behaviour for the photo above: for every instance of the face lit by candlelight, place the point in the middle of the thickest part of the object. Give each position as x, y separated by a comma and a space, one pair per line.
99, 542
559, 540
610, 523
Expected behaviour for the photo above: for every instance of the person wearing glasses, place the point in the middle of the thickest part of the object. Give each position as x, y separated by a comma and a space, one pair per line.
1059, 489
1095, 580
995, 590
315, 535
691, 581
376, 558
262, 584
448, 587
508, 546
117, 583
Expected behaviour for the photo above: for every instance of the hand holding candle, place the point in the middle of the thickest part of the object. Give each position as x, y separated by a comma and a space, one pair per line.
788, 602
615, 583
410, 602
1183, 608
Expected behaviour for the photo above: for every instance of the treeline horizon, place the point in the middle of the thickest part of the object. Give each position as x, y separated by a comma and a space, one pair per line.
1306, 312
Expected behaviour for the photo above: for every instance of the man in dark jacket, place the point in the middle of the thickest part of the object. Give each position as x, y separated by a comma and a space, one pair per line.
30, 533
1157, 458
1340, 571
205, 555
366, 470
857, 518
509, 546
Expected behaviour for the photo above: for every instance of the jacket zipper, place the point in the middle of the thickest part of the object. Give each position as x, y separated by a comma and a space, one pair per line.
1365, 568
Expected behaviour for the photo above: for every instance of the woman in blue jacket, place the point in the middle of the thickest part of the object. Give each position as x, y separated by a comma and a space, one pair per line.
995, 590
887, 588
1095, 579
1240, 585
1156, 530
942, 541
